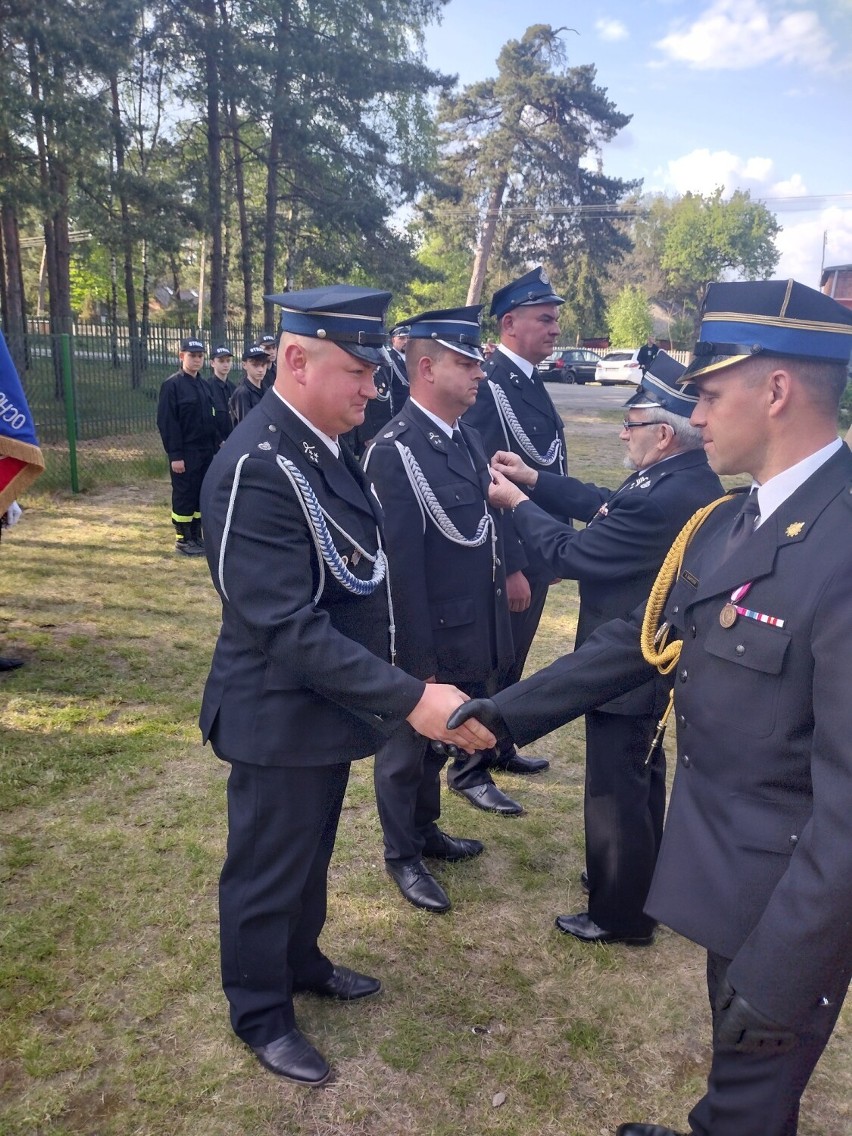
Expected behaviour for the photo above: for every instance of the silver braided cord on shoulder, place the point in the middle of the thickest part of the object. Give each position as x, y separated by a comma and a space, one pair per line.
431, 507
318, 520
510, 423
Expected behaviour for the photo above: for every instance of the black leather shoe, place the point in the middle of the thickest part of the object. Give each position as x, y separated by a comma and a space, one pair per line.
583, 927
10, 664
452, 848
343, 984
419, 886
646, 1130
514, 763
584, 881
489, 798
292, 1056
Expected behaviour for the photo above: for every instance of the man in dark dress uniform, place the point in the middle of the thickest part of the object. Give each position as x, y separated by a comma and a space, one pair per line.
250, 389
391, 379
756, 860
302, 681
513, 411
221, 387
616, 558
448, 582
186, 419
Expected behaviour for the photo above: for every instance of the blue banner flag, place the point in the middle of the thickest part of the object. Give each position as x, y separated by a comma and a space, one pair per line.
20, 457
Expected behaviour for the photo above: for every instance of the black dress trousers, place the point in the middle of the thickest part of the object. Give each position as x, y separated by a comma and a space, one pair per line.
282, 822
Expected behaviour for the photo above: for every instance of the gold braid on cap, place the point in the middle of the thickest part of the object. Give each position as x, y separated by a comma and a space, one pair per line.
656, 650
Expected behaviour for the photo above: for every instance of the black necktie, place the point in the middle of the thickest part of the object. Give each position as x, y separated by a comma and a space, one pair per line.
744, 523
462, 446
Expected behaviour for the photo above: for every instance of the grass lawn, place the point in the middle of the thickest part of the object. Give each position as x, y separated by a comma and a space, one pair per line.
113, 828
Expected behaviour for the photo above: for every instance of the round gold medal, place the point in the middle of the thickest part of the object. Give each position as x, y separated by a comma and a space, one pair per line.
728, 615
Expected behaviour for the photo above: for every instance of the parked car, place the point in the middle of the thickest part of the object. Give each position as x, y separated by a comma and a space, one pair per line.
619, 367
574, 365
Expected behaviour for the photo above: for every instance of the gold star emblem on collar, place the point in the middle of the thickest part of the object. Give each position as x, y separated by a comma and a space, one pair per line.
795, 528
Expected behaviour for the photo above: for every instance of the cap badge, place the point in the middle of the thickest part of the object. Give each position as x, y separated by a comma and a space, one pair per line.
264, 445
543, 277
310, 452
795, 528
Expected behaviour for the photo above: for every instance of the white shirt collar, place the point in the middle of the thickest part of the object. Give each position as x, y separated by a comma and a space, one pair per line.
439, 422
332, 443
773, 493
525, 365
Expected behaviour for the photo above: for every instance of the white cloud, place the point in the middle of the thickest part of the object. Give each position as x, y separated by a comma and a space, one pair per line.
701, 171
793, 187
800, 245
611, 30
740, 34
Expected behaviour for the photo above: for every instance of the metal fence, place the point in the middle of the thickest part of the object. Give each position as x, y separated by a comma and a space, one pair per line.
93, 395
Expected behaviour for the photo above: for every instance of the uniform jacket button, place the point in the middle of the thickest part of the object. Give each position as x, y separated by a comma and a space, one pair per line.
740, 649
693, 631
683, 675
685, 761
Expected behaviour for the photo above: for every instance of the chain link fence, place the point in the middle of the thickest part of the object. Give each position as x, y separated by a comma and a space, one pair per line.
93, 395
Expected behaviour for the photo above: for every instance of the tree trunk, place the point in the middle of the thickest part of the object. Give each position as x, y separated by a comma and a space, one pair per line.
245, 233
486, 238
277, 135
126, 241
214, 172
14, 313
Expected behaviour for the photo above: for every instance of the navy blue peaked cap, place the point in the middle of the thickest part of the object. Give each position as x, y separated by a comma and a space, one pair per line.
456, 328
659, 387
744, 318
349, 316
528, 290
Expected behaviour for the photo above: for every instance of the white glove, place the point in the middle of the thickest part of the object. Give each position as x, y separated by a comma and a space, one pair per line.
13, 514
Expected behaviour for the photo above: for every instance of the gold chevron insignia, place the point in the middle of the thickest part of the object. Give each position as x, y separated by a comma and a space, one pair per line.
795, 528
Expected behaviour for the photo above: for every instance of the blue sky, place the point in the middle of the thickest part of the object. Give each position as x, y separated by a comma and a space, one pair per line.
746, 94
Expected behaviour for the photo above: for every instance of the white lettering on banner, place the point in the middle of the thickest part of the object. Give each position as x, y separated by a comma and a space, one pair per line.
10, 414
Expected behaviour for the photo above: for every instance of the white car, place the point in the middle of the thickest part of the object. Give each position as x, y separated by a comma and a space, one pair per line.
619, 367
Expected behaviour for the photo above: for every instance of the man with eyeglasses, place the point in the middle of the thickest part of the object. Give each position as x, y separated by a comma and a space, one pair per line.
616, 558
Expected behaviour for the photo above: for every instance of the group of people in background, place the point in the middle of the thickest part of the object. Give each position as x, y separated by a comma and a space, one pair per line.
195, 415
383, 527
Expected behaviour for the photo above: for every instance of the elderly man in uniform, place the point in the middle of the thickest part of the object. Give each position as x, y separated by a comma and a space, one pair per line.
302, 681
186, 419
513, 411
431, 475
616, 558
752, 616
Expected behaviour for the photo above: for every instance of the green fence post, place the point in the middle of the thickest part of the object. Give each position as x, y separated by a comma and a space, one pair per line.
70, 416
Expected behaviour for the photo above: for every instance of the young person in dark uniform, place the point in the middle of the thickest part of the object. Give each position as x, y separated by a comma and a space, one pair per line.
186, 419
447, 578
250, 389
269, 343
513, 411
616, 558
221, 387
302, 681
756, 860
